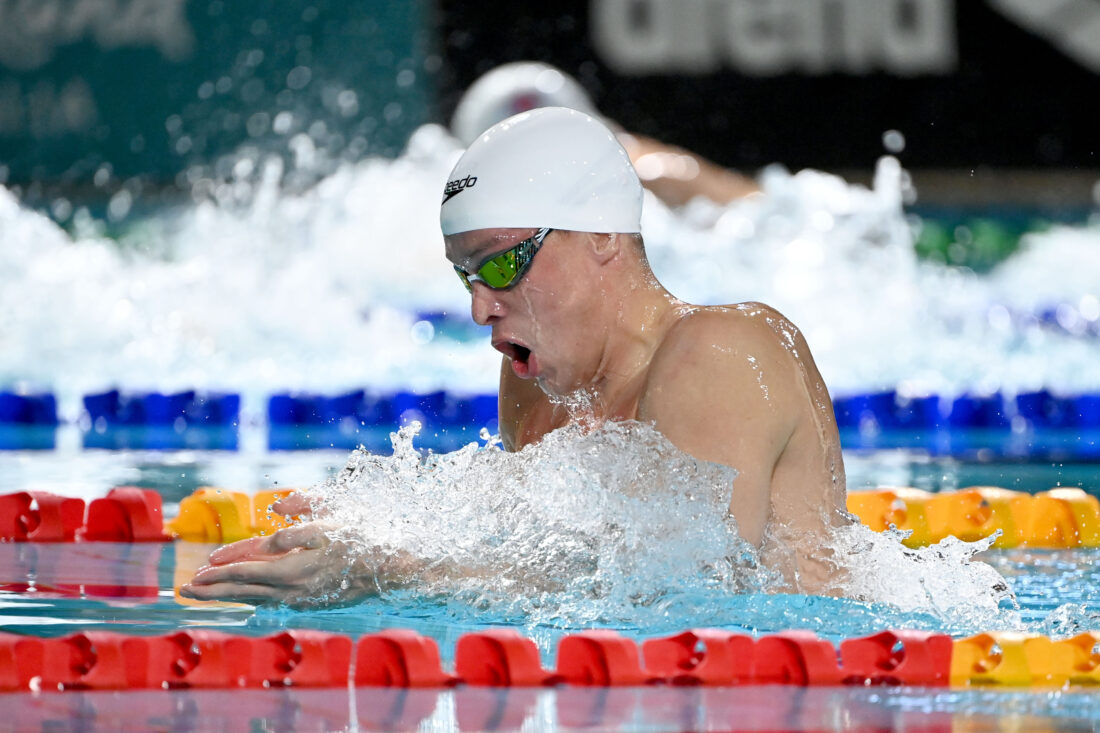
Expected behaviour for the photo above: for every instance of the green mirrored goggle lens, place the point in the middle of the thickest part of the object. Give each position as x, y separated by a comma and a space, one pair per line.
506, 268
499, 271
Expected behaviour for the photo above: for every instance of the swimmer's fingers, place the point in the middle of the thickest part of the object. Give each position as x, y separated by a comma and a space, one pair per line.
233, 592
291, 570
296, 504
310, 536
237, 551
296, 578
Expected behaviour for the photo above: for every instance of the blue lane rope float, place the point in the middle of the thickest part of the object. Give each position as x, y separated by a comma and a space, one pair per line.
437, 408
890, 410
191, 408
28, 409
162, 421
307, 420
28, 421
1030, 424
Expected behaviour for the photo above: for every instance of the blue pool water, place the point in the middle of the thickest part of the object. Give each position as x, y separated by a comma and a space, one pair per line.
54, 589
282, 294
129, 588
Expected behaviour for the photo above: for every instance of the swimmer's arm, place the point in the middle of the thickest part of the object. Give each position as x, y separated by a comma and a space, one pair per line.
299, 566
303, 567
721, 400
677, 175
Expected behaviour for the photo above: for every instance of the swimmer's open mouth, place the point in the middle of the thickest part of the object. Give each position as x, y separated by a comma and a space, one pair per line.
513, 350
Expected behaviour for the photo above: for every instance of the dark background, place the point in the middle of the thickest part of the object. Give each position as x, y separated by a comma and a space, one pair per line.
1012, 100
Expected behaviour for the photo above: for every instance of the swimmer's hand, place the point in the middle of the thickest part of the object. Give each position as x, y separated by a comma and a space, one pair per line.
299, 566
295, 505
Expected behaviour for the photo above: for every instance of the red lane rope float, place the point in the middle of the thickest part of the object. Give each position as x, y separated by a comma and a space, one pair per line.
102, 660
500, 658
398, 658
601, 659
700, 657
126, 514
897, 658
38, 516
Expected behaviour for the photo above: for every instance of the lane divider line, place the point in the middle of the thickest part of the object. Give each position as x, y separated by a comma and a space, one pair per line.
401, 658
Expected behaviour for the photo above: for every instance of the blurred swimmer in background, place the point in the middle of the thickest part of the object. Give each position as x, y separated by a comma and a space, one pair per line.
673, 174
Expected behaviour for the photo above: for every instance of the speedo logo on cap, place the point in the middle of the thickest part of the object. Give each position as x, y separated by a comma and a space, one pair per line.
456, 187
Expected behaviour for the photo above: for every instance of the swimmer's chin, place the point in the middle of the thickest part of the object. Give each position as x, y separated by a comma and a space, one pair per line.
555, 391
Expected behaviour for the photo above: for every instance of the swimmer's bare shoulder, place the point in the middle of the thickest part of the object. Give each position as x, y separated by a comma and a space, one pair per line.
721, 387
740, 346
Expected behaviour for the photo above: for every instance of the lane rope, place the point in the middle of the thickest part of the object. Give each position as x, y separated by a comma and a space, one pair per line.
103, 660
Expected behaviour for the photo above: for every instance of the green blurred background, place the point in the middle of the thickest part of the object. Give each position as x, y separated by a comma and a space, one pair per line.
93, 91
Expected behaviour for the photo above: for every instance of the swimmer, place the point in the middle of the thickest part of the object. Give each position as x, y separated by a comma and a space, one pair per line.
673, 174
541, 221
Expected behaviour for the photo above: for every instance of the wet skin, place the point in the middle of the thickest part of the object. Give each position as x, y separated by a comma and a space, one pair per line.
589, 324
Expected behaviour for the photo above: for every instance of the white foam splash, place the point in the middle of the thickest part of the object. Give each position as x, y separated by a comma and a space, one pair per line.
611, 524
943, 579
616, 514
838, 260
255, 288
287, 291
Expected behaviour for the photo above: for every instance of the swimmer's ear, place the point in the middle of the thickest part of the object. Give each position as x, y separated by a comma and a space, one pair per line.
605, 246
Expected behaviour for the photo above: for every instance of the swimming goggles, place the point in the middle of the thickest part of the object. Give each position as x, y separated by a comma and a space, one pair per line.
504, 270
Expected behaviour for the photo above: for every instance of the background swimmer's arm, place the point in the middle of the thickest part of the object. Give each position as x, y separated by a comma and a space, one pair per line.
721, 399
677, 175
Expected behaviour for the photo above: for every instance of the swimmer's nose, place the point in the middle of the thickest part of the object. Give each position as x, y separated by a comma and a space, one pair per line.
485, 305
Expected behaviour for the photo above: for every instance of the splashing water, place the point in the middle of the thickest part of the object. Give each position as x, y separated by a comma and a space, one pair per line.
282, 290
943, 579
823, 252
613, 525
615, 514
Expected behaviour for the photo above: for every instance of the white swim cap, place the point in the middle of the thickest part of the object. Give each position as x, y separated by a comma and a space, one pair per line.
513, 88
550, 167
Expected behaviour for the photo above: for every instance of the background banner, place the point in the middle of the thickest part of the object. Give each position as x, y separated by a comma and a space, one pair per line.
814, 82
120, 88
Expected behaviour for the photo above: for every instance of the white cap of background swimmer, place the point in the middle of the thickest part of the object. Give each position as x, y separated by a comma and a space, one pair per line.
513, 88
550, 167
